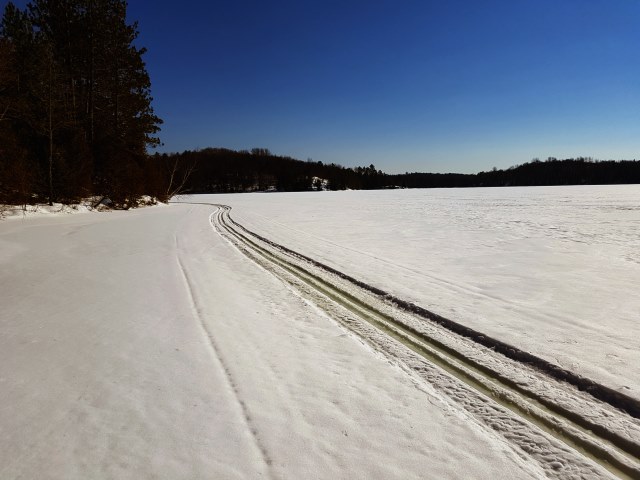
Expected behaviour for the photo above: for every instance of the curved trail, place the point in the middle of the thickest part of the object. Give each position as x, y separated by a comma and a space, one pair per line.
535, 405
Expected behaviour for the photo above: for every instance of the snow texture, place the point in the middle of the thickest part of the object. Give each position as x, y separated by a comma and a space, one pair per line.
142, 344
554, 271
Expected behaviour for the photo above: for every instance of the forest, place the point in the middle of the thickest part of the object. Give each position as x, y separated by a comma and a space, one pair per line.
571, 171
76, 118
214, 170
77, 122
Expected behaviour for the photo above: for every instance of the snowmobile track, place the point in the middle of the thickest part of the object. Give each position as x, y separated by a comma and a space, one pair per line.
617, 450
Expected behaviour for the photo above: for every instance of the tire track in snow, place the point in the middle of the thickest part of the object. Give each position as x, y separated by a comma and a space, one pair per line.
579, 439
215, 350
614, 398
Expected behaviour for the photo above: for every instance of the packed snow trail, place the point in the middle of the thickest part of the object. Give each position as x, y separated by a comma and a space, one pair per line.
554, 271
142, 344
596, 430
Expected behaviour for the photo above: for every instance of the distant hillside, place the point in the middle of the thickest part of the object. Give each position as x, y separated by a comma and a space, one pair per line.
223, 170
578, 171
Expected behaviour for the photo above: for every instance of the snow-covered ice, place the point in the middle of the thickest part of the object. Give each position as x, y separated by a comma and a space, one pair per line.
552, 270
141, 344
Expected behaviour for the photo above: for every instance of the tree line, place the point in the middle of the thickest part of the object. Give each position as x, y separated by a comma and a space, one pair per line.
220, 170
76, 121
552, 171
75, 105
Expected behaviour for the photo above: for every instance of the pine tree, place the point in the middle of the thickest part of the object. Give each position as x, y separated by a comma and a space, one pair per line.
18, 143
86, 111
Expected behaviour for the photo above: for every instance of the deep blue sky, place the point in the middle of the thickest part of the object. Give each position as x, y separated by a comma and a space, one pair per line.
407, 85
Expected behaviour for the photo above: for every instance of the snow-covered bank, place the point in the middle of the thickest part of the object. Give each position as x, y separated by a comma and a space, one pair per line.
140, 344
45, 210
41, 210
552, 270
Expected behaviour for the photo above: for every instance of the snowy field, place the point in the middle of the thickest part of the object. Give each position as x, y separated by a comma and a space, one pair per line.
142, 345
552, 270
146, 344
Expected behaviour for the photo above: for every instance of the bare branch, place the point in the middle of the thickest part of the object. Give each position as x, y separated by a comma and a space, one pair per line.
4, 114
186, 173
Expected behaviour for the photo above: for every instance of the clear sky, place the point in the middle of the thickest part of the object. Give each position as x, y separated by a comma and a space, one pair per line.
407, 85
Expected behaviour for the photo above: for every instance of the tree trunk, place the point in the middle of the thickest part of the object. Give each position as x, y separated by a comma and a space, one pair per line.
50, 131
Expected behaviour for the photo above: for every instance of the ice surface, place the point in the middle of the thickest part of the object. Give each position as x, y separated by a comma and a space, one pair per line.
141, 344
552, 270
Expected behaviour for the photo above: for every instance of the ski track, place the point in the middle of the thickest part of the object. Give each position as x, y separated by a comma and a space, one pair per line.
249, 391
218, 358
532, 443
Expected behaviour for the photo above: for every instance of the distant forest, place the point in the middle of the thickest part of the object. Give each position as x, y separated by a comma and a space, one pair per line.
571, 171
76, 121
221, 170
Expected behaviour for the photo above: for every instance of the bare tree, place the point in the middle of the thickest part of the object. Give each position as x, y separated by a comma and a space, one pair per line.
179, 173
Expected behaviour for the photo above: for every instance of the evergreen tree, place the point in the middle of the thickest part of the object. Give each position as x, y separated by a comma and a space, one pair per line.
84, 110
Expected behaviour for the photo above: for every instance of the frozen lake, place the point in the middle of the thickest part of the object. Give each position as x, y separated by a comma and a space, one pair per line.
156, 343
552, 270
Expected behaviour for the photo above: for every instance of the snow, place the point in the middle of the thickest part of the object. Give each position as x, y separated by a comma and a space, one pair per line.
91, 204
8, 212
142, 344
552, 270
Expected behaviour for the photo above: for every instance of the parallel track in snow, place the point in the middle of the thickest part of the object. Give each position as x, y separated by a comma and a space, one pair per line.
515, 396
